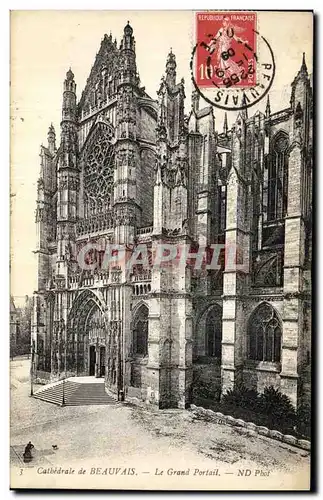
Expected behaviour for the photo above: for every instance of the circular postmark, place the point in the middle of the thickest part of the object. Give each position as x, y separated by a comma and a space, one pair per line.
230, 71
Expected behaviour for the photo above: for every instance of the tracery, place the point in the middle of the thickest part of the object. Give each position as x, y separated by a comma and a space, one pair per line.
98, 177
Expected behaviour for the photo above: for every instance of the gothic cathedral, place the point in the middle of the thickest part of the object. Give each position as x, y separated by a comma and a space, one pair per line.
131, 170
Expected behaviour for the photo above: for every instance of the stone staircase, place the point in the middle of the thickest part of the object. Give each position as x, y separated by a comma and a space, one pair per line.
75, 393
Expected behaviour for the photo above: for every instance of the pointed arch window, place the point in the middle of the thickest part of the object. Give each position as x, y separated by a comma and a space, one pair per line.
276, 184
214, 332
264, 334
140, 332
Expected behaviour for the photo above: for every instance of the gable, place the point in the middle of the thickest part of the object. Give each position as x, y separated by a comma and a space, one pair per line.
104, 70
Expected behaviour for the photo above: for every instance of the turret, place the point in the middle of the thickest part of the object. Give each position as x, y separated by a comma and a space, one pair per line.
128, 69
127, 154
68, 126
69, 97
68, 176
301, 102
128, 41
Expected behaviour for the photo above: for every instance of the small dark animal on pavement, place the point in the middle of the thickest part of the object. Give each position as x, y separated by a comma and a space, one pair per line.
54, 446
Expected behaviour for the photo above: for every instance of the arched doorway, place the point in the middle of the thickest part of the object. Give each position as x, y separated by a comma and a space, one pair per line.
86, 336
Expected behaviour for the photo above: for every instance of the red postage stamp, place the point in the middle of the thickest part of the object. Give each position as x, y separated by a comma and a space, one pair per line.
226, 53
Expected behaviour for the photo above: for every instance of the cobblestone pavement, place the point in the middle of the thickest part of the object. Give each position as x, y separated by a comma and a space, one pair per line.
125, 434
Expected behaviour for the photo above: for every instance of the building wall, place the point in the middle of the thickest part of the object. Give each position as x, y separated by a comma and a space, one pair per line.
155, 145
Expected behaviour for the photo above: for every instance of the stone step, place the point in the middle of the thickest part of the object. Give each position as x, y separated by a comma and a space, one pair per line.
75, 394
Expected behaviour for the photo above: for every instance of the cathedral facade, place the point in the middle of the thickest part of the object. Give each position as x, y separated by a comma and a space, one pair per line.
130, 170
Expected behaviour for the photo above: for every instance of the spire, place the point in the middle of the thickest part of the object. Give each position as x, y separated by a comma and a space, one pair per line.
51, 137
171, 69
304, 67
301, 78
225, 124
244, 112
268, 111
303, 73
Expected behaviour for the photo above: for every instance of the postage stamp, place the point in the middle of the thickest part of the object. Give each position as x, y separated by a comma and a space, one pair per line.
233, 65
226, 52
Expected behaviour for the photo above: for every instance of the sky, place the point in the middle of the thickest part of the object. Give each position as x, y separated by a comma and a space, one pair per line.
44, 44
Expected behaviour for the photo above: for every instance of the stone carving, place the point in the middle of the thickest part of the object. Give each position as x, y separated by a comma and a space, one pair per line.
126, 107
115, 277
172, 170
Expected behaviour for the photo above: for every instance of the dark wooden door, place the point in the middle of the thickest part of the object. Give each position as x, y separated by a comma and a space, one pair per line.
92, 360
102, 361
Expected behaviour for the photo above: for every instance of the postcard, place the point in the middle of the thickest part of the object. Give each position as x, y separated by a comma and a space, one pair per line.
161, 236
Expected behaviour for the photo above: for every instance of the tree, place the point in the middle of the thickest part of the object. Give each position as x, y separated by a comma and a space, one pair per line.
25, 318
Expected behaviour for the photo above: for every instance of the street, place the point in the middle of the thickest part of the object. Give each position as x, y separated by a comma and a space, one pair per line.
129, 436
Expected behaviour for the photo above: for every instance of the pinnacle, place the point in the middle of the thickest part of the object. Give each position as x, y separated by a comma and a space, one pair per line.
51, 129
225, 124
303, 67
244, 112
171, 56
128, 29
268, 106
70, 75
303, 60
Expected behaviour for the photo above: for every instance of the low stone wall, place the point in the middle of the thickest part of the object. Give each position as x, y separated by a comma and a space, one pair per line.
219, 418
